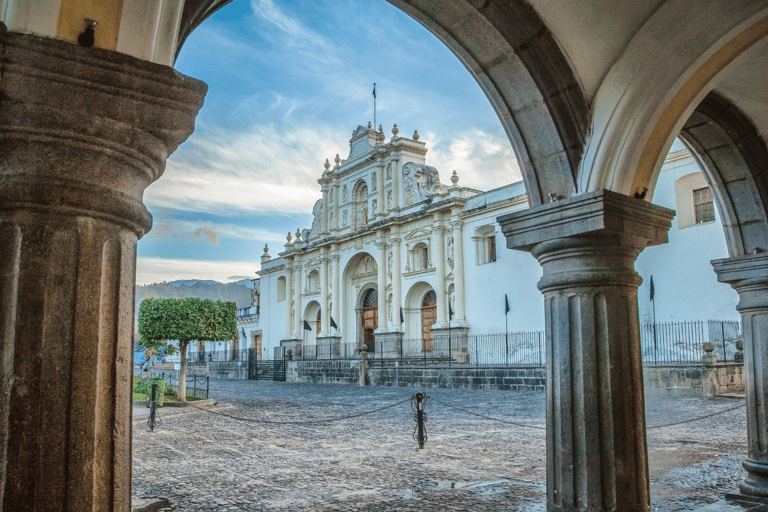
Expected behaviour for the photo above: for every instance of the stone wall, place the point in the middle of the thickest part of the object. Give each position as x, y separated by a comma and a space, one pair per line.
664, 380
225, 370
334, 371
694, 380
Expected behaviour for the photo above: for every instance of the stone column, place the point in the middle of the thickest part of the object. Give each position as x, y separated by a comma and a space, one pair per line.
397, 277
748, 275
288, 298
382, 285
458, 272
380, 188
337, 292
438, 260
324, 315
587, 246
84, 131
324, 220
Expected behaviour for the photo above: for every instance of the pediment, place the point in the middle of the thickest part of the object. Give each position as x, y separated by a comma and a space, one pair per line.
418, 233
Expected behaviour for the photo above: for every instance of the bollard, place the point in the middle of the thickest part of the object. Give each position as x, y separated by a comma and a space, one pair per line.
419, 404
152, 407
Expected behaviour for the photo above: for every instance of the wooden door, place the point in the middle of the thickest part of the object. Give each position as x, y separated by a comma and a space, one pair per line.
256, 345
428, 319
370, 313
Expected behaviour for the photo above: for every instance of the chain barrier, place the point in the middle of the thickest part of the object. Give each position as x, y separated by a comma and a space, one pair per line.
309, 422
696, 419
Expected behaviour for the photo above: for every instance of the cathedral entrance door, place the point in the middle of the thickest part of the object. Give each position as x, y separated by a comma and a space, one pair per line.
256, 345
428, 319
370, 313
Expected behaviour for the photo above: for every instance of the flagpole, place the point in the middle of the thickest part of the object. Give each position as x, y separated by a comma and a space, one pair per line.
506, 327
653, 302
374, 105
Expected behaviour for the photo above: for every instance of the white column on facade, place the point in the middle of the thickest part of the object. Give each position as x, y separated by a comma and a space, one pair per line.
459, 314
382, 284
337, 293
324, 314
396, 182
298, 328
288, 298
438, 260
324, 228
597, 455
748, 275
396, 280
335, 192
382, 207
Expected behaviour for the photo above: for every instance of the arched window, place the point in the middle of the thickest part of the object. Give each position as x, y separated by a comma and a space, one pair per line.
280, 289
420, 256
313, 282
485, 244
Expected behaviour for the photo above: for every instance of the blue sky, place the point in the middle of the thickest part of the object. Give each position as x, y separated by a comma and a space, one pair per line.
288, 83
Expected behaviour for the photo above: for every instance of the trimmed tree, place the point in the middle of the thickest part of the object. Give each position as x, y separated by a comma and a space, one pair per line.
164, 320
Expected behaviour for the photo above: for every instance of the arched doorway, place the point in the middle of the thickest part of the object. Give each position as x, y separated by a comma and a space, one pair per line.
428, 319
370, 317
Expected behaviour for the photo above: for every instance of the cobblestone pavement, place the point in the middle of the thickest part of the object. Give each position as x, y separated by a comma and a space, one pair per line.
205, 460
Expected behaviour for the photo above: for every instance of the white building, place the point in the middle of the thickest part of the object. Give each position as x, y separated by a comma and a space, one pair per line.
387, 222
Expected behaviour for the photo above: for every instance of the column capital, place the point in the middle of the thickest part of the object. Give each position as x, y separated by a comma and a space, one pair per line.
457, 223
107, 120
602, 212
748, 275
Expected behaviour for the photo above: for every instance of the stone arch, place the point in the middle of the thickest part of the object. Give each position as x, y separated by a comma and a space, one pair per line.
641, 107
518, 64
733, 158
311, 312
412, 315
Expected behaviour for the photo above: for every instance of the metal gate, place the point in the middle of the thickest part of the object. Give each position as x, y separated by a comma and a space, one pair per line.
279, 363
267, 370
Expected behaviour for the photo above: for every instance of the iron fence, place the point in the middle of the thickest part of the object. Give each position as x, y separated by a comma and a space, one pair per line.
210, 356
196, 385
682, 342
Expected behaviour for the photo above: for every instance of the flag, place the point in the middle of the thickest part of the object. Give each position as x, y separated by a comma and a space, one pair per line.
652, 290
506, 304
244, 336
333, 324
306, 326
450, 311
401, 316
374, 91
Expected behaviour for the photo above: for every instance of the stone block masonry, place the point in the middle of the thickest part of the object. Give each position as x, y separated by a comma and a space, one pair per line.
339, 371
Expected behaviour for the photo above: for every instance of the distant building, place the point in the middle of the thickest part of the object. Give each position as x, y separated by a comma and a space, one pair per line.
393, 252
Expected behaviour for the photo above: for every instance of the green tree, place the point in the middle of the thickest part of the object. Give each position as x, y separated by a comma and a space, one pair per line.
162, 321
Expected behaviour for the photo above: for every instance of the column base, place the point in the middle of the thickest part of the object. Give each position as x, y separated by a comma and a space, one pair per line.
755, 484
451, 343
294, 345
329, 347
389, 344
737, 497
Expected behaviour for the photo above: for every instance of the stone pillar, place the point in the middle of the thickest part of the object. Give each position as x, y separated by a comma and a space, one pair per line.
324, 315
84, 131
380, 188
337, 292
459, 315
335, 223
382, 285
324, 220
748, 275
587, 246
397, 277
438, 260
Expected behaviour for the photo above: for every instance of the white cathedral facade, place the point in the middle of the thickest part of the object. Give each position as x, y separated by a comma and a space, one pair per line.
396, 260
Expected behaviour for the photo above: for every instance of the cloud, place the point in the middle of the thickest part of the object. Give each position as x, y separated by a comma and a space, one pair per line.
482, 160
157, 270
206, 230
263, 170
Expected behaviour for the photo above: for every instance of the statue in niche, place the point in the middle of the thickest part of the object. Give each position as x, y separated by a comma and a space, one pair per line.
344, 193
389, 263
450, 252
330, 219
373, 181
388, 175
452, 300
409, 192
363, 215
389, 308
344, 219
374, 206
389, 199
368, 264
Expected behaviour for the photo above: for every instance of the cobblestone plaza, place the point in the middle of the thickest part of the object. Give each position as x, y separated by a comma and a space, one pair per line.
230, 457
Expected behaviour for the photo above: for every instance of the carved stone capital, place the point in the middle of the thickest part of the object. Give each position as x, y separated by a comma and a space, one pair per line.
84, 131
